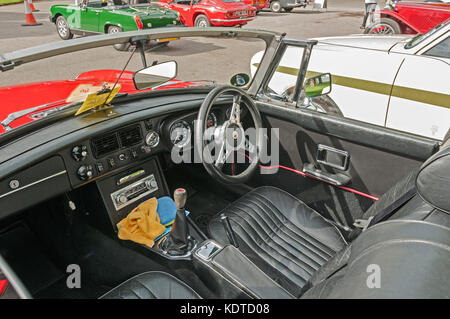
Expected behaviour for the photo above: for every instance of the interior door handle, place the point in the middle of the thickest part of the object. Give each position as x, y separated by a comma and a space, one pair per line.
332, 157
338, 179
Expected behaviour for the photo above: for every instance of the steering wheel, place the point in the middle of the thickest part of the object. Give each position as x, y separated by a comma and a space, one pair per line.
228, 139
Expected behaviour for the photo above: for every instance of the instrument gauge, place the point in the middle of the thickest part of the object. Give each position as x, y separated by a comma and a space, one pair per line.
180, 134
211, 121
152, 139
242, 111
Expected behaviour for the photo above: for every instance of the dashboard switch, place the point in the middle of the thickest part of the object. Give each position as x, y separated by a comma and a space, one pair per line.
85, 172
123, 157
100, 167
146, 149
79, 152
111, 162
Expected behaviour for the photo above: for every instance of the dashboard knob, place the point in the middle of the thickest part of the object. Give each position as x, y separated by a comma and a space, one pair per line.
122, 199
79, 152
85, 172
151, 184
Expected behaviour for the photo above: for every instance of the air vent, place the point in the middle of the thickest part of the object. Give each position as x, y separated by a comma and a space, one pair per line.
130, 136
105, 144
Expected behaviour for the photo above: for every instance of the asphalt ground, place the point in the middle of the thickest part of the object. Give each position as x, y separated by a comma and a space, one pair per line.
342, 17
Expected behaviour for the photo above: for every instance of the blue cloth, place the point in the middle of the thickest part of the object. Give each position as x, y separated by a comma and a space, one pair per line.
166, 210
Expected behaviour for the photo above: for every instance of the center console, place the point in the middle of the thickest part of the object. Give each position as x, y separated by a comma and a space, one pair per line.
233, 275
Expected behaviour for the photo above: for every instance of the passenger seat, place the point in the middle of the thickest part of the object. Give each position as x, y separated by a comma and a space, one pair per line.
152, 285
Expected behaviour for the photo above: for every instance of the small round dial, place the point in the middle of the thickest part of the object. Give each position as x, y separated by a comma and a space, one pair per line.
152, 139
79, 152
180, 134
85, 172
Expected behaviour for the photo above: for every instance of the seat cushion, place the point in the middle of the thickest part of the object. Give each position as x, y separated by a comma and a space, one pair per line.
152, 285
284, 237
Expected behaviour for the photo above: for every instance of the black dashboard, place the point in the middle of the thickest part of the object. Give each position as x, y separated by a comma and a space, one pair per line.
118, 154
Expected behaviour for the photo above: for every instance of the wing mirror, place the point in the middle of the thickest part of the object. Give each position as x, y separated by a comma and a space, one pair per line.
318, 85
155, 75
240, 79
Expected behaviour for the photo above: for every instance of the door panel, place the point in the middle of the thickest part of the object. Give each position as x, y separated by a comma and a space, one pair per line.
90, 19
378, 158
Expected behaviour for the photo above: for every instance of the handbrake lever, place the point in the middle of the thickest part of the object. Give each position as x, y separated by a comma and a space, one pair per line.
230, 233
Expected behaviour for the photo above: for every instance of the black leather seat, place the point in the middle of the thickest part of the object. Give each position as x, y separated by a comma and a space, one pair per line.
285, 238
291, 242
152, 285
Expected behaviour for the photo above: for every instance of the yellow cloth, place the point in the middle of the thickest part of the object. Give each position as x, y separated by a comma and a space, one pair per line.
142, 225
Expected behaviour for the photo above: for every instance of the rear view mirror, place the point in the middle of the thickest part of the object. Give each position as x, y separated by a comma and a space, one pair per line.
318, 85
155, 75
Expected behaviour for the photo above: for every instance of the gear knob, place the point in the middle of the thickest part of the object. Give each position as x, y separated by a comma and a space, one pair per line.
179, 197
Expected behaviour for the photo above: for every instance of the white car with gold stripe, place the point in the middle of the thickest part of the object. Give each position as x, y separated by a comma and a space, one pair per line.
398, 82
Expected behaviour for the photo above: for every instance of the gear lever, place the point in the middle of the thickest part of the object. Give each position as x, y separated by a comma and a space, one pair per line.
177, 240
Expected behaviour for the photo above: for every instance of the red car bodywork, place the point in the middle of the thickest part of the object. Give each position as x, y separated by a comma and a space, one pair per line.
219, 13
58, 93
417, 17
258, 4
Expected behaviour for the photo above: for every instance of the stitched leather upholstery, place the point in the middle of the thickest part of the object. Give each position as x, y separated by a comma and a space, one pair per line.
285, 238
152, 285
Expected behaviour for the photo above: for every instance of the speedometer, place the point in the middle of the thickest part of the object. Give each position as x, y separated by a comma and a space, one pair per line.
180, 134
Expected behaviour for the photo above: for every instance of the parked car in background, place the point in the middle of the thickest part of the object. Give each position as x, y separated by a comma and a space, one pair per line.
207, 13
287, 5
408, 17
258, 4
398, 82
112, 16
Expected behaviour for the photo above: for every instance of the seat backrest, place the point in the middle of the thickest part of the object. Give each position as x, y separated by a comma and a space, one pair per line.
393, 259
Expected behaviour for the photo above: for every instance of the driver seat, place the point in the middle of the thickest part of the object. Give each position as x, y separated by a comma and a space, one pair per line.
291, 242
285, 238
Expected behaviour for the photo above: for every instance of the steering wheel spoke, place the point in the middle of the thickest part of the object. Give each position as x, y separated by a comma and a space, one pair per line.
235, 115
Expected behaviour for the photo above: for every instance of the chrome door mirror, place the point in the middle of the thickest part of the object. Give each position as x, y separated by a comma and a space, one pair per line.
318, 85
155, 75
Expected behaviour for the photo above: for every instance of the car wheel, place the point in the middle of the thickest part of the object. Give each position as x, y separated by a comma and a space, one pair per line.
288, 9
275, 6
202, 21
385, 26
62, 27
119, 47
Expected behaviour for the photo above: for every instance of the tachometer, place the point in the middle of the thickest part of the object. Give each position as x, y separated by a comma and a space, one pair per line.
180, 134
242, 113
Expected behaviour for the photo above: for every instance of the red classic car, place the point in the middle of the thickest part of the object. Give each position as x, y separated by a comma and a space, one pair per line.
258, 4
206, 13
409, 17
15, 98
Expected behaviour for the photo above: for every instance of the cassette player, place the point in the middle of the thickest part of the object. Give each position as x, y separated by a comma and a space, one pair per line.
134, 192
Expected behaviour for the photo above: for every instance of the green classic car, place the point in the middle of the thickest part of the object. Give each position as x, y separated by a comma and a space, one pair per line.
111, 16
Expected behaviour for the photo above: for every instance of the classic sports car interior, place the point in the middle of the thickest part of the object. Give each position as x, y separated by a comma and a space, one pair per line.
342, 197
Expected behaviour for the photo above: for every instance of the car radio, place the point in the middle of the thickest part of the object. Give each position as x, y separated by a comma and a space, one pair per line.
131, 193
